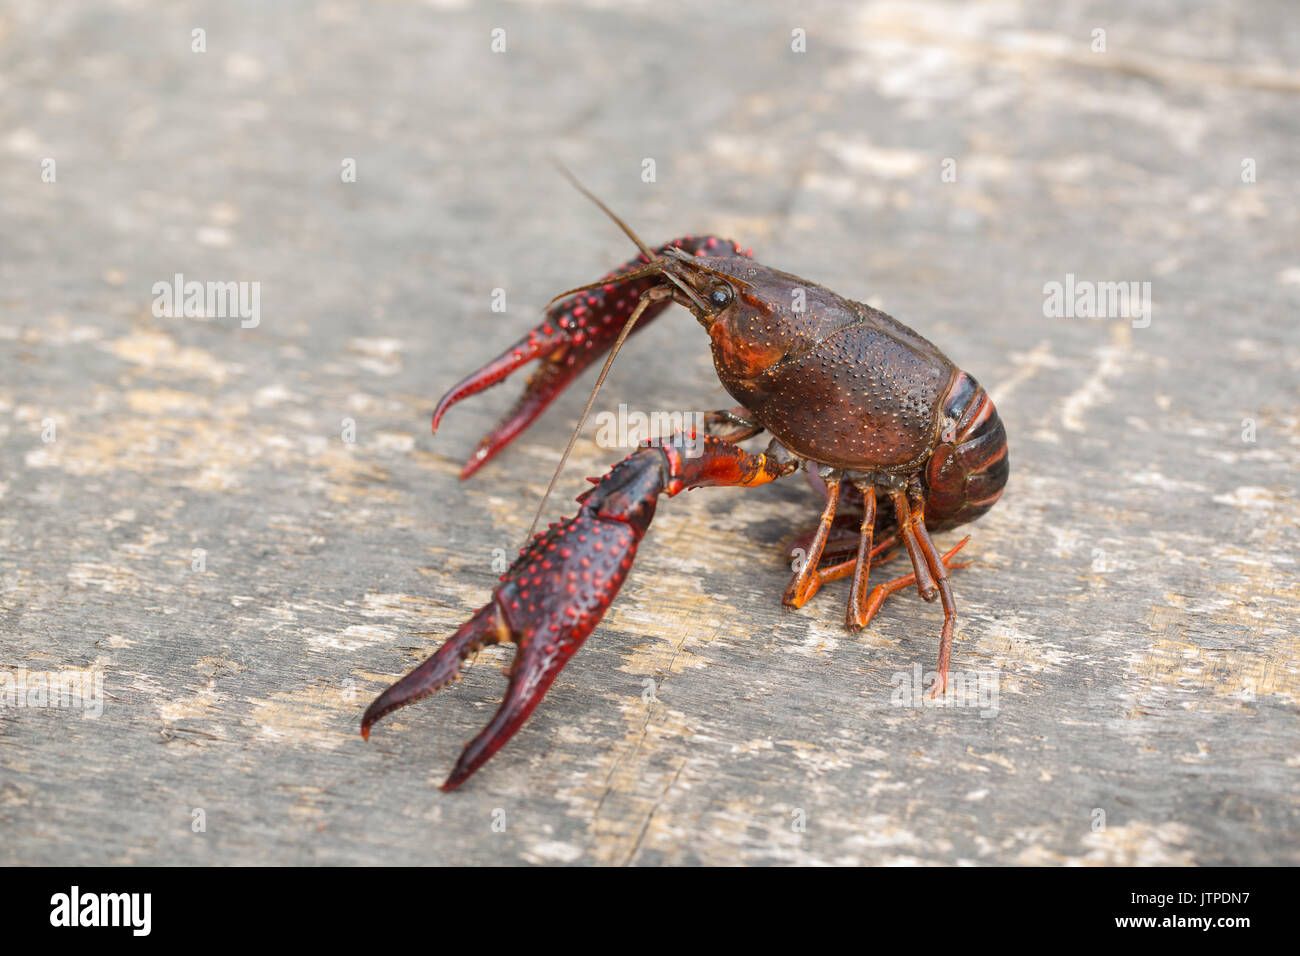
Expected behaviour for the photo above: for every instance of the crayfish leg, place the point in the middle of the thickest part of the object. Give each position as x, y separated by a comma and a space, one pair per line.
884, 590
731, 424
807, 579
929, 569
882, 552
907, 526
855, 617
940, 573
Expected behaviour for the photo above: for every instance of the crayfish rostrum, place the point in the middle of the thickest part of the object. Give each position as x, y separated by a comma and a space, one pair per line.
905, 443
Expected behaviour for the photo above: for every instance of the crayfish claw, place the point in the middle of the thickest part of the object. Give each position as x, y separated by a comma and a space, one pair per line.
576, 331
560, 586
530, 678
549, 602
486, 627
544, 386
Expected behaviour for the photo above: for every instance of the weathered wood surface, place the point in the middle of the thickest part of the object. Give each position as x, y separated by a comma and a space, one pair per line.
1135, 589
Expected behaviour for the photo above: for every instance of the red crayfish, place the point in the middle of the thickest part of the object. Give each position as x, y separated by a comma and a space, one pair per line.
905, 442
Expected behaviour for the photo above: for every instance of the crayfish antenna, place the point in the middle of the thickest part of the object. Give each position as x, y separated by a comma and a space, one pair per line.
653, 295
650, 255
646, 251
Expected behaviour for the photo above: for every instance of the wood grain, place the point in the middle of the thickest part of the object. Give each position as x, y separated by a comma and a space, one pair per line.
1134, 592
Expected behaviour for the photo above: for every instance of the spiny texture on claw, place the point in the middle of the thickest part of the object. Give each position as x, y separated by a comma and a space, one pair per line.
575, 332
558, 589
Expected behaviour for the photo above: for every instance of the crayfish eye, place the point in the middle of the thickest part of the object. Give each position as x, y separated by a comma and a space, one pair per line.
721, 296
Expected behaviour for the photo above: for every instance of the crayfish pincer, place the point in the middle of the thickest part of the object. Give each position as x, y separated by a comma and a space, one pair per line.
906, 443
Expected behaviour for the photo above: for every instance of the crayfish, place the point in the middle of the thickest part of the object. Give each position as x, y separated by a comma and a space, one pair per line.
903, 441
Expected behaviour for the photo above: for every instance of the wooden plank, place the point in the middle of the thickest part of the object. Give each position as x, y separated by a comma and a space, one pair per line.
1134, 591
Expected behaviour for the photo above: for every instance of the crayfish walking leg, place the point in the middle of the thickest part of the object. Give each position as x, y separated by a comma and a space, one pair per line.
562, 583
929, 568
